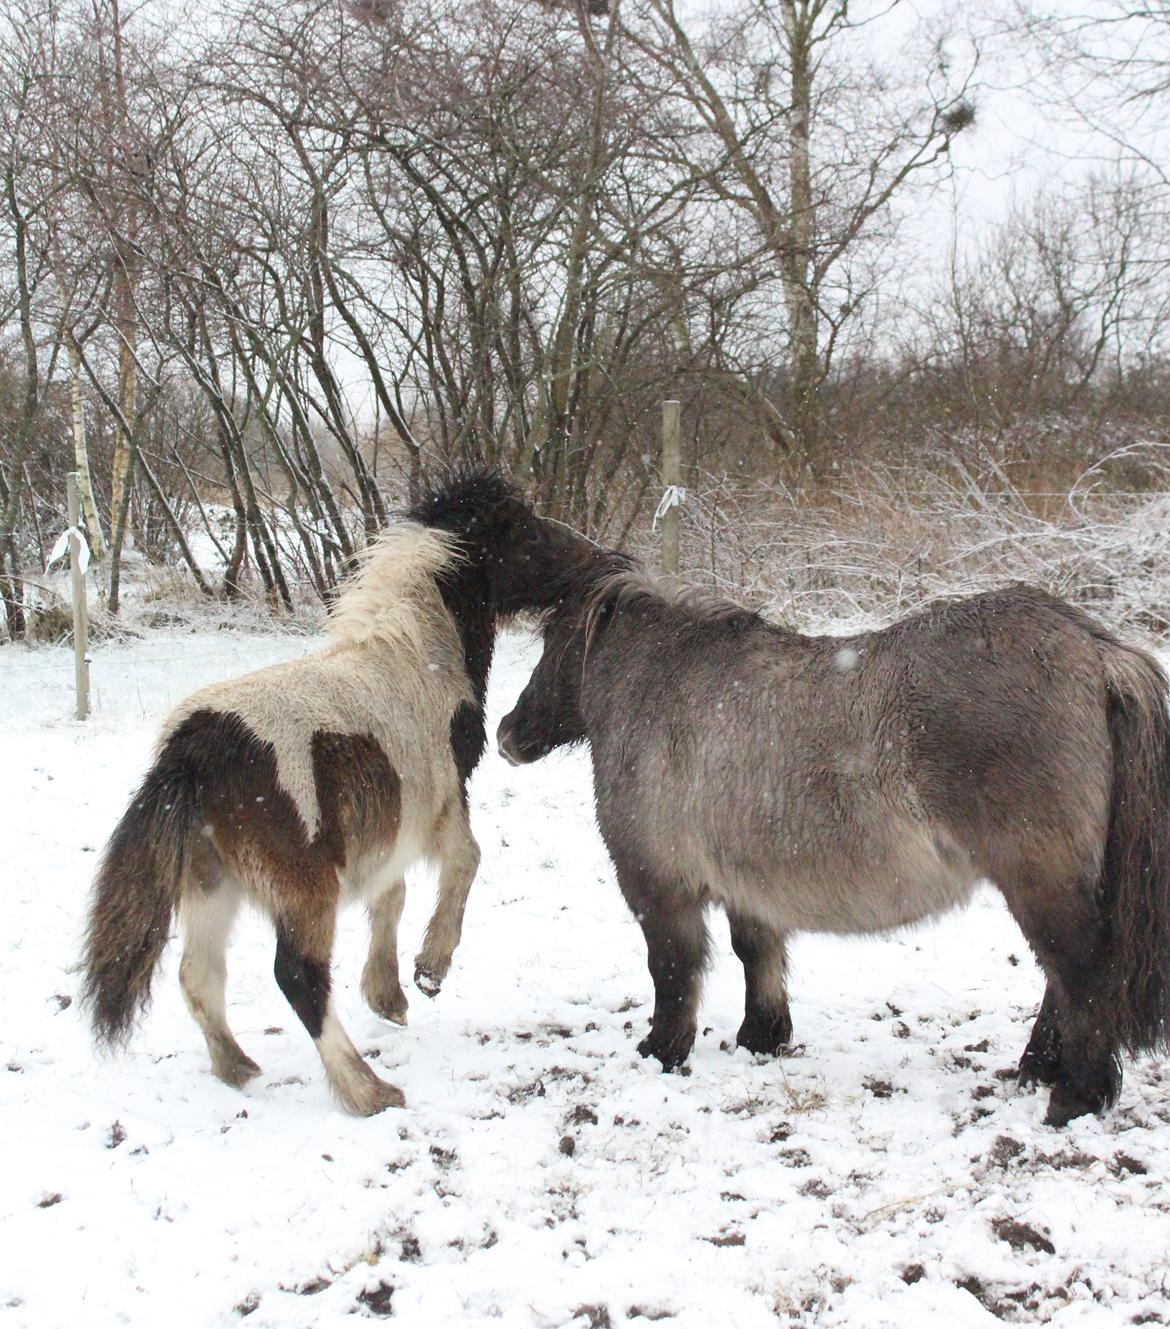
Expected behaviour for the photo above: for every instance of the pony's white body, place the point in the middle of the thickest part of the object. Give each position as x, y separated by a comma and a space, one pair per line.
394, 670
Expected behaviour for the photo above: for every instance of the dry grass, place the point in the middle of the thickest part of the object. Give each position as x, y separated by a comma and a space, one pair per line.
881, 541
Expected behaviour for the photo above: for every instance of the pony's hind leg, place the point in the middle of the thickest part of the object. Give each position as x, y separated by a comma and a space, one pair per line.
458, 856
767, 1021
1071, 1045
304, 947
381, 986
208, 913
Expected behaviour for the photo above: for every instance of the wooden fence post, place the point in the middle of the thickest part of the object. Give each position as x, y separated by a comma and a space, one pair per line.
80, 607
671, 479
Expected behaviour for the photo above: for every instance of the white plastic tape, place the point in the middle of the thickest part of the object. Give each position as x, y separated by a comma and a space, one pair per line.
61, 548
673, 496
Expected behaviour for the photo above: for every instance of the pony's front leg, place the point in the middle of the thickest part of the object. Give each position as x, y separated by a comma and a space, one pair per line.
458, 856
304, 947
381, 986
677, 947
767, 1021
1040, 1063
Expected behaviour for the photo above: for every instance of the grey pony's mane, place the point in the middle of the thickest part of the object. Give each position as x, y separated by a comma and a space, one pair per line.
615, 582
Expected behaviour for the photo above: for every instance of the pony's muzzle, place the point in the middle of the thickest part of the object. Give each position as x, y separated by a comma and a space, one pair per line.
506, 742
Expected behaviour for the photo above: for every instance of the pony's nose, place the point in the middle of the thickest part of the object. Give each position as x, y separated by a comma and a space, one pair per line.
507, 745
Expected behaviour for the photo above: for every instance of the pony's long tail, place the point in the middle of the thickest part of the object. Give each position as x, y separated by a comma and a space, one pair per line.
135, 895
1135, 877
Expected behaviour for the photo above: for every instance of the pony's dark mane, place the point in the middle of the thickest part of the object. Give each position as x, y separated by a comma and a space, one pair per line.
461, 500
468, 507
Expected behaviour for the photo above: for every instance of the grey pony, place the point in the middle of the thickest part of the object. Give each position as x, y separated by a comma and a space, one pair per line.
852, 785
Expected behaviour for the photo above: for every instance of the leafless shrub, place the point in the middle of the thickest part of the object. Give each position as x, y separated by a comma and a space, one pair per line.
882, 541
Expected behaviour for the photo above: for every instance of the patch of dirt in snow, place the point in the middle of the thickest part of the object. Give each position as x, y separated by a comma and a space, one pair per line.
887, 1173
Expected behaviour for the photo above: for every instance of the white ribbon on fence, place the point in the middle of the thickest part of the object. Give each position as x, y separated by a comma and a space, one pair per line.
673, 496
61, 548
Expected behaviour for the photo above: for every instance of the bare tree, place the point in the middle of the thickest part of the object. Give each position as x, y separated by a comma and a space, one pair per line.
811, 140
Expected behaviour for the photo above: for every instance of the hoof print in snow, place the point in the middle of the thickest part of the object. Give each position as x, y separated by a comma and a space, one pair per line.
913, 1273
248, 1305
878, 1088
443, 1158
523, 1092
377, 1299
815, 1189
1008, 1305
1066, 1159
1123, 1163
727, 1239
567, 1146
1005, 1150
1020, 1235
583, 1115
595, 1317
313, 1286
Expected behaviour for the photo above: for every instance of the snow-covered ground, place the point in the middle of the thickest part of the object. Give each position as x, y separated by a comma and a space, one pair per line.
888, 1173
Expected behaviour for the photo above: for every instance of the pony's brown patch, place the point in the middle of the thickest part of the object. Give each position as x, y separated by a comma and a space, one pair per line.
252, 822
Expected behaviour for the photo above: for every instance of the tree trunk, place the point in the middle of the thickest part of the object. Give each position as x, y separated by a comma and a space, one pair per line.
797, 267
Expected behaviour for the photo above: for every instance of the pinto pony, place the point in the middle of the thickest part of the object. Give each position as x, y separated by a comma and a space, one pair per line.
322, 780
851, 785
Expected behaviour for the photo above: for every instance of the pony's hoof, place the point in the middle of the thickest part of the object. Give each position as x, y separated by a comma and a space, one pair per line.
371, 1097
236, 1071
1064, 1107
427, 982
670, 1052
765, 1038
1092, 1092
390, 1006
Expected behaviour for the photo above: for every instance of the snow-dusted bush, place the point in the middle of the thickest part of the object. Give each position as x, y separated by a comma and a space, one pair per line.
882, 540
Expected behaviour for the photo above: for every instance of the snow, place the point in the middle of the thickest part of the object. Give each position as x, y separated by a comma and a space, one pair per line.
541, 1173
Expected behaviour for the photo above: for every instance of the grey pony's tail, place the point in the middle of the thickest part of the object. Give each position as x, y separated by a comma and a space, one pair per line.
1134, 889
134, 899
